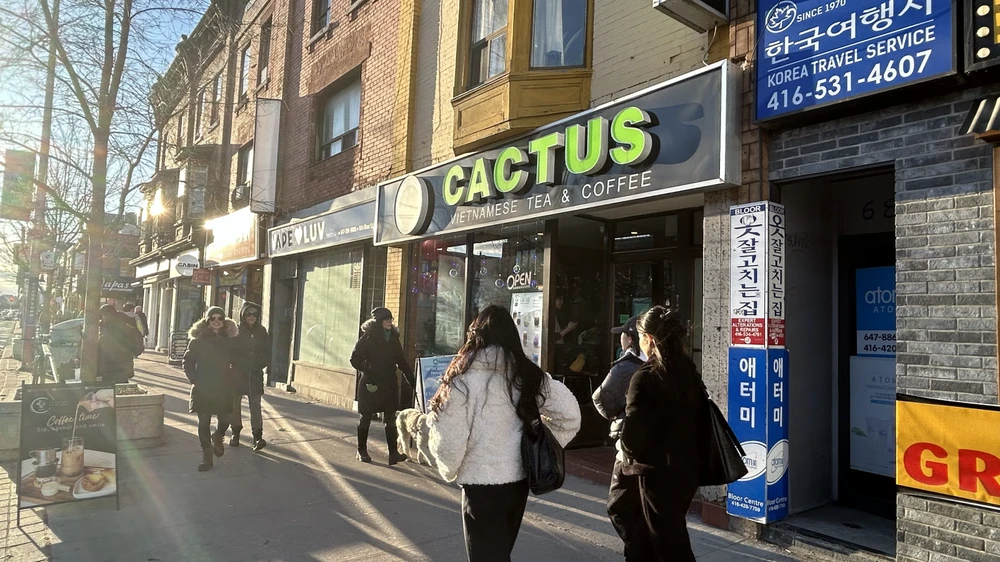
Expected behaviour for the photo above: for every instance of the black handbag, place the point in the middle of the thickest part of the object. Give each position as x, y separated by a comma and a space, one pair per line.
544, 459
722, 455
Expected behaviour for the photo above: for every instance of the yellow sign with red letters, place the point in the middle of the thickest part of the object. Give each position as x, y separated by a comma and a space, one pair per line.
949, 448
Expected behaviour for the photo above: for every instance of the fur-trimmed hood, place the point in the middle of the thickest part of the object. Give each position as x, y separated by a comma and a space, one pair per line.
201, 329
372, 326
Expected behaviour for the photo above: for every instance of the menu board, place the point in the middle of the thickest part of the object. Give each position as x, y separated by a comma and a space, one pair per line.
429, 372
178, 346
69, 442
526, 309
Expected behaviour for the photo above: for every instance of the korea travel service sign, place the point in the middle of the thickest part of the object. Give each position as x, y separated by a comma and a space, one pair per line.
814, 53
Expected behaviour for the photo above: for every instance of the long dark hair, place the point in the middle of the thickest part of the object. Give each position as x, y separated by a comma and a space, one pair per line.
495, 327
668, 332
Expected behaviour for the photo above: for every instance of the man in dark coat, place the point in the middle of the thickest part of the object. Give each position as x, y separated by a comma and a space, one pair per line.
117, 345
377, 355
253, 356
207, 364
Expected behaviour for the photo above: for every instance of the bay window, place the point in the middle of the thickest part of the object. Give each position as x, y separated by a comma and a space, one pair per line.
488, 53
558, 33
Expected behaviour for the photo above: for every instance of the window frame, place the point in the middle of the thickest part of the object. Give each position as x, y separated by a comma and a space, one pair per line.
179, 142
327, 97
213, 118
485, 43
264, 51
587, 39
314, 25
244, 164
198, 113
244, 84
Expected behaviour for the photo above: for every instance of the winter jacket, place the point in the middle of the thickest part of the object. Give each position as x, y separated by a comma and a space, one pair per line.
476, 436
207, 363
142, 323
253, 355
664, 421
117, 347
377, 358
609, 398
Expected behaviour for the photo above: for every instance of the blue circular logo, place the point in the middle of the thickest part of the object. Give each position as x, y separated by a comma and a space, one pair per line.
781, 16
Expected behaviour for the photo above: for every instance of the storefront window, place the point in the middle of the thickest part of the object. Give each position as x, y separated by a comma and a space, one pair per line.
438, 286
330, 306
558, 33
189, 304
507, 270
580, 332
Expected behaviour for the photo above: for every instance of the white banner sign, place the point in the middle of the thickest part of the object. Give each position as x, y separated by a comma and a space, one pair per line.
757, 275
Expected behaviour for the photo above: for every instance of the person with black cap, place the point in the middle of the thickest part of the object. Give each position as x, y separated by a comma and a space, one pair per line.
610, 398
208, 362
377, 355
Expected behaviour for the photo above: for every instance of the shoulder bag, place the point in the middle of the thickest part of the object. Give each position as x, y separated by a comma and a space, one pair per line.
722, 454
544, 459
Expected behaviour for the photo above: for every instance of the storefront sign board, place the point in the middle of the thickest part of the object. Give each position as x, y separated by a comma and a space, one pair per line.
675, 137
757, 275
876, 311
234, 238
814, 53
949, 448
201, 276
152, 268
429, 371
184, 266
758, 413
873, 415
339, 227
69, 444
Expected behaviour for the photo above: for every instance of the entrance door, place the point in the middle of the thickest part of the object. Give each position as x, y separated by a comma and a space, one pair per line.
661, 278
866, 413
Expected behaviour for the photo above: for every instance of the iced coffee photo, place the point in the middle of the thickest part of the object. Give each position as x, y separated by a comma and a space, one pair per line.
72, 457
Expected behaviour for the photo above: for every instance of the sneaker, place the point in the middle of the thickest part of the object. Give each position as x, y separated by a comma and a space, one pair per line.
259, 444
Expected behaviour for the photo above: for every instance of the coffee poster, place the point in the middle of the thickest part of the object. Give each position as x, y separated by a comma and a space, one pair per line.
69, 440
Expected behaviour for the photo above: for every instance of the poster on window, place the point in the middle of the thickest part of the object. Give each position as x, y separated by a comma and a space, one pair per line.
873, 415
429, 372
526, 309
68, 446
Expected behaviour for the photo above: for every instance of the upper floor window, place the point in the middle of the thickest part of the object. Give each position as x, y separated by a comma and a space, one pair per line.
180, 131
198, 112
321, 15
558, 33
338, 128
214, 111
488, 52
264, 52
244, 164
244, 72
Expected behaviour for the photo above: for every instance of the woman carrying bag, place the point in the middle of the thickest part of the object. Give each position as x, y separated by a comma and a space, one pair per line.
488, 394
666, 413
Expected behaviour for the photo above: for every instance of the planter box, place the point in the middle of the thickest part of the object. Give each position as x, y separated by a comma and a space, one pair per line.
140, 423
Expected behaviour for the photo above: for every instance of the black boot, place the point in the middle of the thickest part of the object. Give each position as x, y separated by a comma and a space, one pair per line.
235, 441
206, 460
217, 438
392, 439
258, 440
363, 443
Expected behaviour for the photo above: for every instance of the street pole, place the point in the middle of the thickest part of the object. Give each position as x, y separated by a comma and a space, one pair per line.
38, 222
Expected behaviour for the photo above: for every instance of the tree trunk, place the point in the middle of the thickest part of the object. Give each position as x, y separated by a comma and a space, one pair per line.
94, 267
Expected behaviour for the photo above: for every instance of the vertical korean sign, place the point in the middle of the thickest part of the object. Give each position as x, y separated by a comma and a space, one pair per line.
758, 361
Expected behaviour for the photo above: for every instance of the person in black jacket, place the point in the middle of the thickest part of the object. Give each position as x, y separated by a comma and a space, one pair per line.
661, 436
119, 343
377, 355
609, 399
253, 356
207, 364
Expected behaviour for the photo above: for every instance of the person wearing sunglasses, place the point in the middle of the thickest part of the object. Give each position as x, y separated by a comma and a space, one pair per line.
208, 362
253, 356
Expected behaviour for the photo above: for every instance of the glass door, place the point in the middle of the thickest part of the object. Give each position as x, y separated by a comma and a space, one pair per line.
664, 279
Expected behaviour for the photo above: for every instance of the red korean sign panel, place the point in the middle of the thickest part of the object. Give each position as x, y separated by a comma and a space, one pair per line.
757, 275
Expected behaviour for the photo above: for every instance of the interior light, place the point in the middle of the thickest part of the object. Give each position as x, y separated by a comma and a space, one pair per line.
634, 232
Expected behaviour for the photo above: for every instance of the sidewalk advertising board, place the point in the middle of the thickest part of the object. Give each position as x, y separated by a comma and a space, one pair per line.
69, 444
429, 372
178, 345
758, 361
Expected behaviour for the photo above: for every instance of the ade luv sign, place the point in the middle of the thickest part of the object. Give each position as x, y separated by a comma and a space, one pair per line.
949, 449
674, 137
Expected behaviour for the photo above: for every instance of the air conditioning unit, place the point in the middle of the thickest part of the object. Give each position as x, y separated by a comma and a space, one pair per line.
240, 197
699, 16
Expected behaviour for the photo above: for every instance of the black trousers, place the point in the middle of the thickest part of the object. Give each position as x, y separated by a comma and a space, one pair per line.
624, 506
365, 421
491, 519
660, 533
205, 428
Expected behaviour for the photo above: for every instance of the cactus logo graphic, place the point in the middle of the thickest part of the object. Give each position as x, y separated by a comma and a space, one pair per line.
781, 16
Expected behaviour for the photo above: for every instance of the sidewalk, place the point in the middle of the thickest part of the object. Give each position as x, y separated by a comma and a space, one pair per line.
305, 498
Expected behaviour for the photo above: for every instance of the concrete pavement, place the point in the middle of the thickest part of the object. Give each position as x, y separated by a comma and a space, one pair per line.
306, 498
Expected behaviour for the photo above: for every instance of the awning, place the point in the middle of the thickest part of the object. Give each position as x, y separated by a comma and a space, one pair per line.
983, 119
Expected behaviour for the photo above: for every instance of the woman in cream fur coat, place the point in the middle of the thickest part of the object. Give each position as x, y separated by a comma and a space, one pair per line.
486, 396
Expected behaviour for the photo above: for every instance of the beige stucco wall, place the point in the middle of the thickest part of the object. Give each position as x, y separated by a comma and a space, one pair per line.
636, 46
